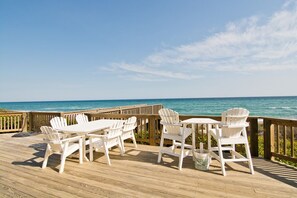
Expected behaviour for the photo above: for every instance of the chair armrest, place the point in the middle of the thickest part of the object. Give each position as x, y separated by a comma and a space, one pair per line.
235, 126
173, 124
72, 139
236, 116
96, 135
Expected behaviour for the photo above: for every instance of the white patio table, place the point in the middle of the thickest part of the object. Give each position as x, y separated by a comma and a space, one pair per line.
201, 121
86, 128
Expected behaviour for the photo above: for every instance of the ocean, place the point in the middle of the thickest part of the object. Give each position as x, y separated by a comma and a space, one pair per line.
279, 107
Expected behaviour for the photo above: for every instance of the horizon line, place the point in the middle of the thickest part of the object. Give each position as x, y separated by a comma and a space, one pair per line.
127, 99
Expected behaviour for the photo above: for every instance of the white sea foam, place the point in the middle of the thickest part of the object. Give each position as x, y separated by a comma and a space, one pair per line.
286, 107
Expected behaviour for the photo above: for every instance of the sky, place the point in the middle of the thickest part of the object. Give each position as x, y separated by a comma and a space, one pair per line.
140, 49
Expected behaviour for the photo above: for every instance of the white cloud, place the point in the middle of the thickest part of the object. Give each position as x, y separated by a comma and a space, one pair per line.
141, 72
250, 45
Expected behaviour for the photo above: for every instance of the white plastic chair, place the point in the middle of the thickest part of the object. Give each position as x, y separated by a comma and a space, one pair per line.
231, 132
128, 131
107, 141
81, 118
64, 147
173, 130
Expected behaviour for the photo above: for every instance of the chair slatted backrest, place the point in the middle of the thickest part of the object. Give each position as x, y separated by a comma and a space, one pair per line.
170, 120
130, 124
115, 130
234, 122
52, 137
81, 118
58, 122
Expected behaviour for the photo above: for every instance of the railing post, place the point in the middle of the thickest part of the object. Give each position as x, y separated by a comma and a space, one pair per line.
25, 122
152, 130
254, 132
30, 121
267, 139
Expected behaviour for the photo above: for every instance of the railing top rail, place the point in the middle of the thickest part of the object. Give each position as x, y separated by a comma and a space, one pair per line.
107, 109
7, 114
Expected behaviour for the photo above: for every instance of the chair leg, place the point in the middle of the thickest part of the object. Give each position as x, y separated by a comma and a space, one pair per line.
63, 159
161, 147
134, 140
46, 156
84, 144
174, 146
91, 150
80, 151
121, 146
248, 155
181, 157
233, 149
221, 158
106, 154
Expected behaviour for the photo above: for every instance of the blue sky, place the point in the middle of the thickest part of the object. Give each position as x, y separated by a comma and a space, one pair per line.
84, 50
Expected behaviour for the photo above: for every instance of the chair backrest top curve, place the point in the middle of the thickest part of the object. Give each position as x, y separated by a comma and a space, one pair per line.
115, 130
52, 137
235, 116
130, 124
81, 118
234, 122
57, 122
170, 120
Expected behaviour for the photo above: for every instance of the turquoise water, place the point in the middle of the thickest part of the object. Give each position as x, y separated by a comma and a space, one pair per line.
281, 107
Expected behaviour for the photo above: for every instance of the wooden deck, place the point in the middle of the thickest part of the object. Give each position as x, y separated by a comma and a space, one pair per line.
135, 175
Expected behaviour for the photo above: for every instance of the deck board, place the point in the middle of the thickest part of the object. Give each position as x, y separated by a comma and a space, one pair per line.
136, 174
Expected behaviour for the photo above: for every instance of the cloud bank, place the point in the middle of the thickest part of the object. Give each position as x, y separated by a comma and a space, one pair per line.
251, 45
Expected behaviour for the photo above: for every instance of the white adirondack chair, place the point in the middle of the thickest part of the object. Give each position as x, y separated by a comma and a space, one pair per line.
173, 130
128, 131
64, 147
81, 118
58, 122
231, 132
104, 142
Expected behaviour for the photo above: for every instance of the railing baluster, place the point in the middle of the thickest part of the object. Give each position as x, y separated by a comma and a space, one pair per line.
11, 122
285, 140
292, 141
5, 124
277, 139
17, 122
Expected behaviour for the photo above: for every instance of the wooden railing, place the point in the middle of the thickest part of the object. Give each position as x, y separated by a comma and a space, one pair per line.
38, 119
280, 139
32, 121
12, 122
269, 137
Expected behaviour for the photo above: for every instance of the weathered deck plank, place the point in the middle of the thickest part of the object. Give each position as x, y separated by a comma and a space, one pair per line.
134, 175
